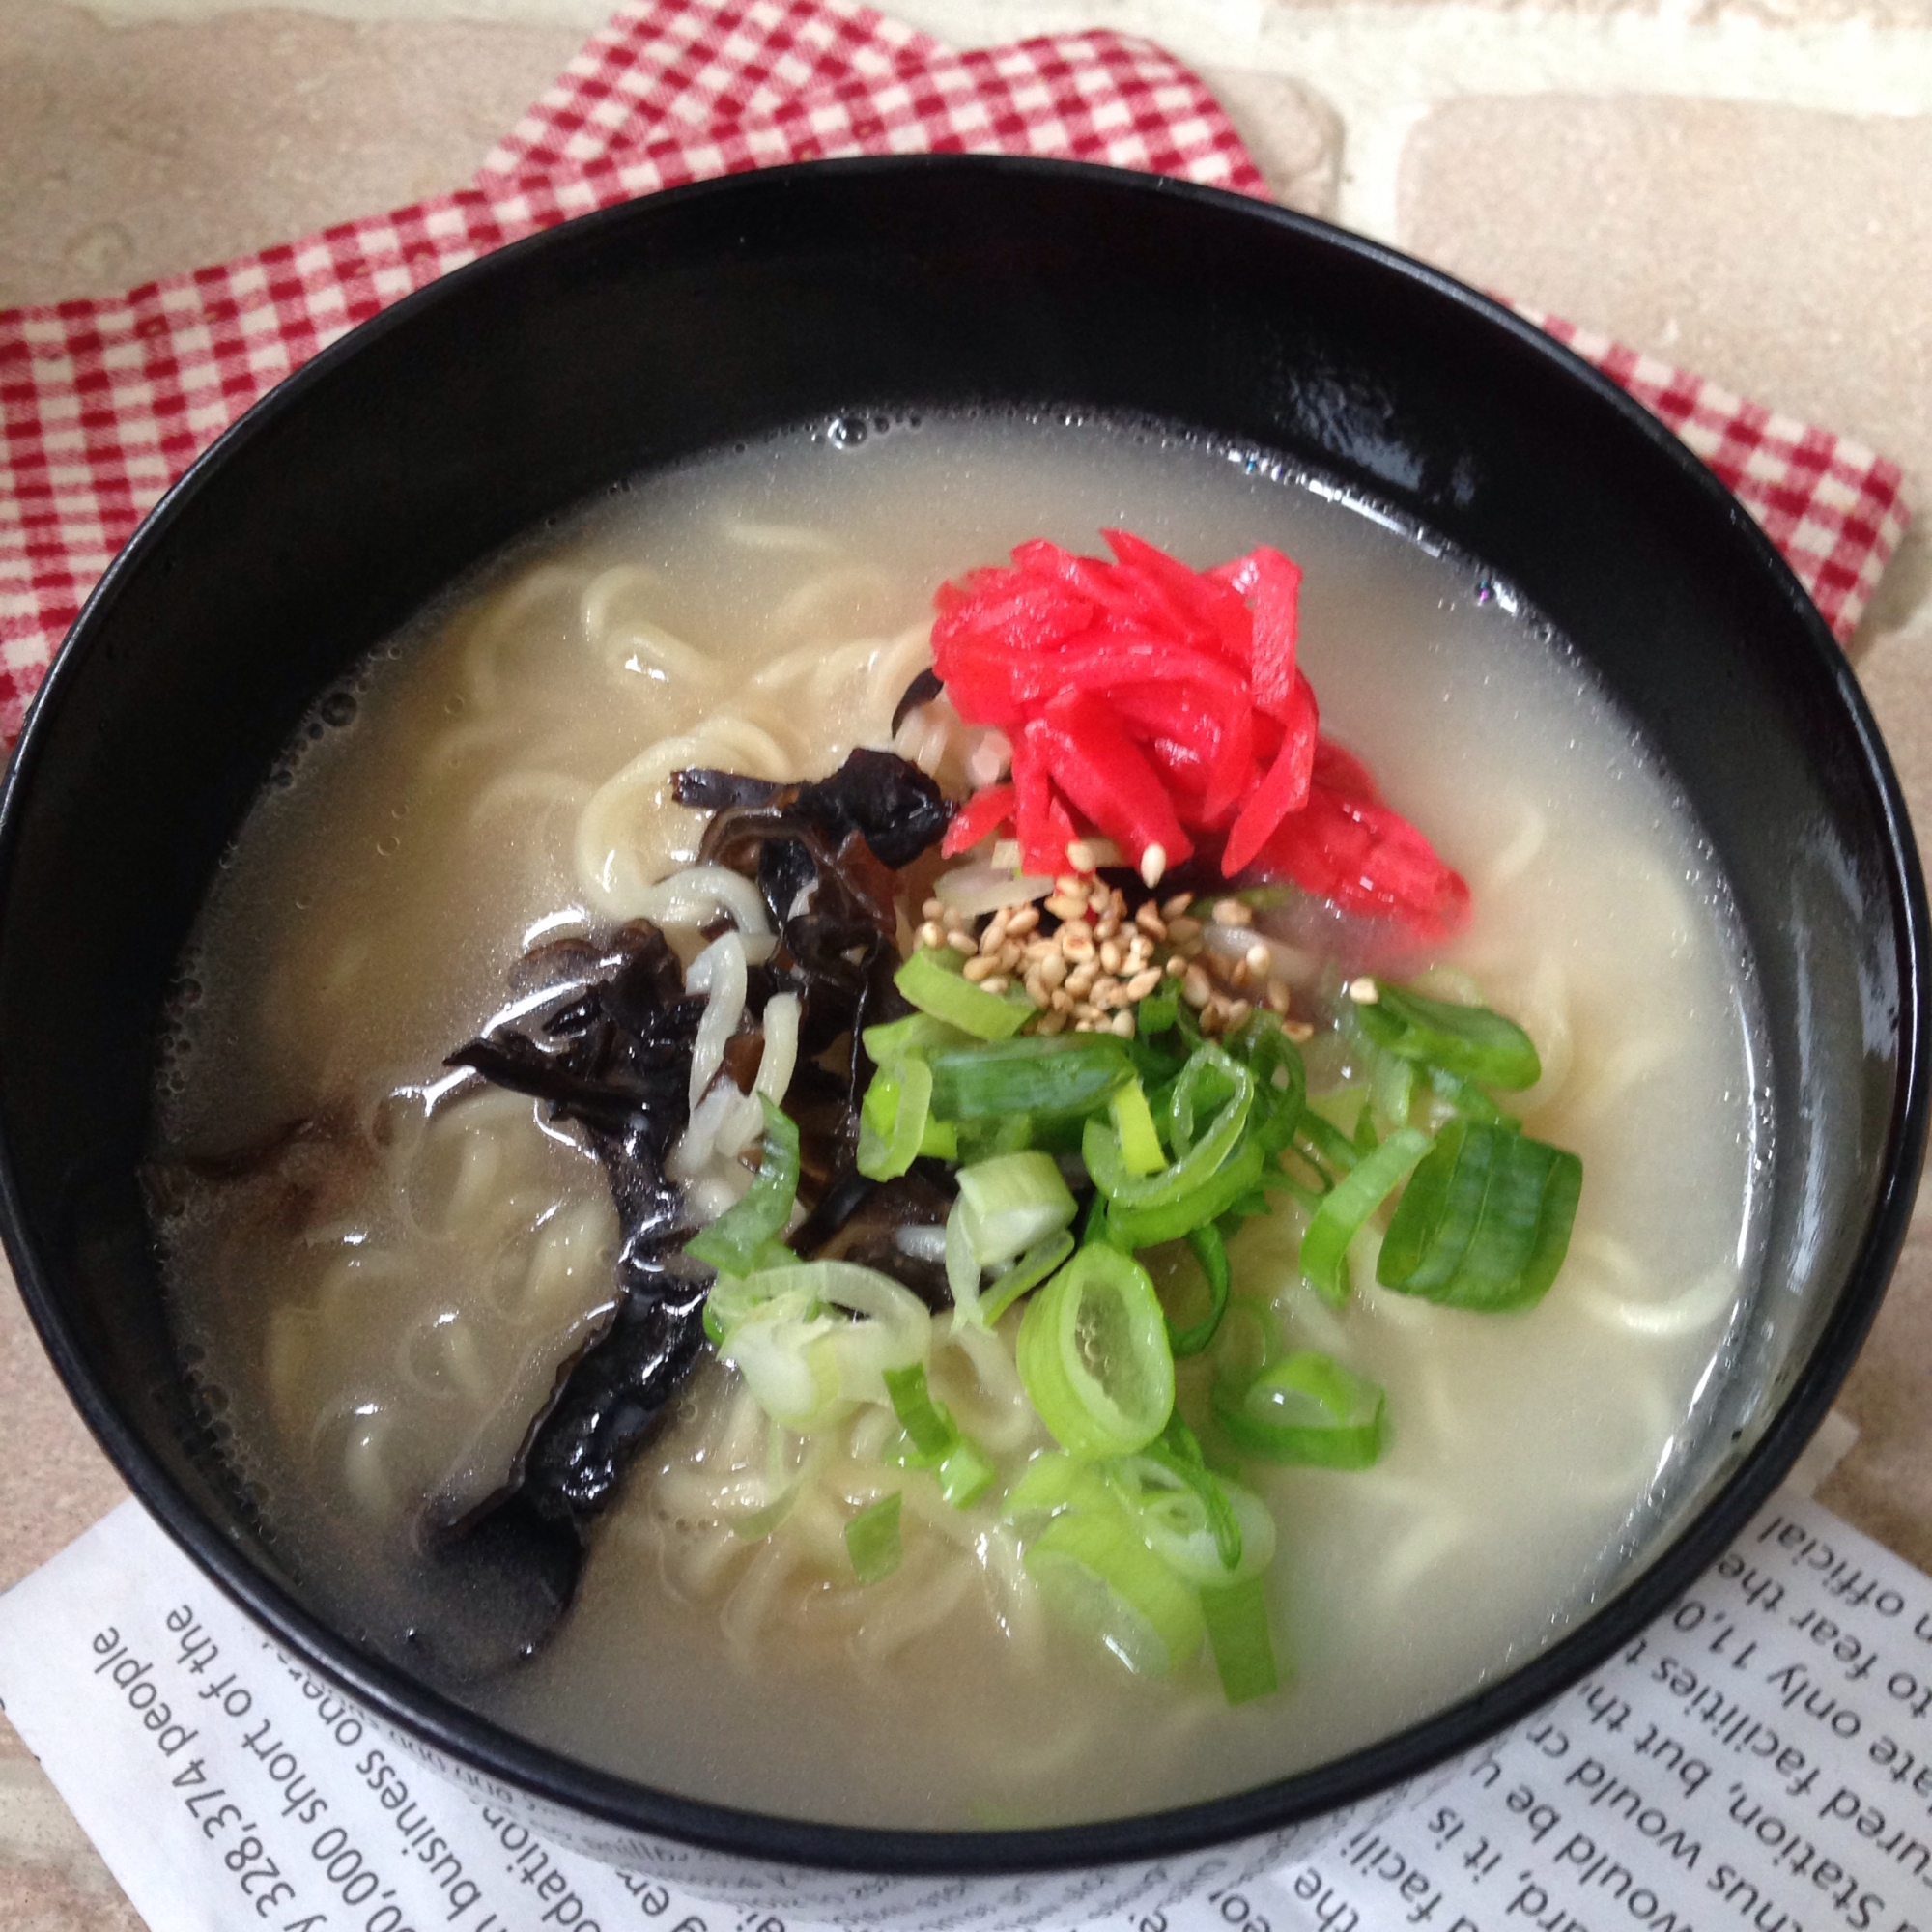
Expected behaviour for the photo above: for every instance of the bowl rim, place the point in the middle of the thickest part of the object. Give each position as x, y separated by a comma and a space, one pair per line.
466, 1739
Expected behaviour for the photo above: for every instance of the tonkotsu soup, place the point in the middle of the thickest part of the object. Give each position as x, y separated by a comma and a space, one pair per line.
937, 1484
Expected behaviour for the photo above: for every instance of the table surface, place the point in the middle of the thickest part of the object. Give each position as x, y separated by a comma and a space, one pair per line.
1735, 184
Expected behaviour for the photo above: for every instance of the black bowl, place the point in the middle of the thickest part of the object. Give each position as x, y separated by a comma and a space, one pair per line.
525, 382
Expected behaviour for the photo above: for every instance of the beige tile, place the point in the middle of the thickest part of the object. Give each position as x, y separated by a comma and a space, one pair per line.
1785, 254
50, 1898
134, 151
54, 1481
1772, 13
1293, 135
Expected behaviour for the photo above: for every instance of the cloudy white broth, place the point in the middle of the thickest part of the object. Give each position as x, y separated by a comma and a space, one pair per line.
382, 1269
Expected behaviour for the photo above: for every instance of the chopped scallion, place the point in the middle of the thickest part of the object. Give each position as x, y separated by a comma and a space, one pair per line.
1099, 1577
732, 1242
1305, 1408
1011, 1203
1133, 1122
873, 1539
1346, 1207
1058, 1074
1211, 1253
1490, 1221
933, 982
1094, 1355
893, 1118
1025, 1275
1470, 1041
1236, 1616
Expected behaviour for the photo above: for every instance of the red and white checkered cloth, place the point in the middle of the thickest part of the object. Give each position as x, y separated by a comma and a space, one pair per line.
104, 403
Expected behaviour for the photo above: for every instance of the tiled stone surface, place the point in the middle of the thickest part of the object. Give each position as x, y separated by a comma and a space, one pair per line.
133, 151
54, 1481
1785, 254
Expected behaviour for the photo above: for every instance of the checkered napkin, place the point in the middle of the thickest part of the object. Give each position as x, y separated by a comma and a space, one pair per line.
104, 403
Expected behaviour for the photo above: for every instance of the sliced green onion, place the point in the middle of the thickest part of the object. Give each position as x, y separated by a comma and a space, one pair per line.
1305, 1408
782, 1348
917, 1033
1155, 1014
1466, 1097
964, 1474
1326, 1144
1211, 1253
1060, 1073
1367, 1140
1208, 1081
873, 1539
1056, 1482
1207, 1530
1100, 1144
1343, 1212
732, 1242
1012, 1203
1392, 1084
1470, 1041
931, 1429
1168, 1221
1491, 1221
1026, 1274
933, 1439
893, 1118
1093, 1355
1099, 1577
1133, 1122
1280, 1076
962, 1270
1236, 1616
933, 980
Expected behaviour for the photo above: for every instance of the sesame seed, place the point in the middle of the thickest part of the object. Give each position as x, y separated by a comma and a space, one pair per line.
1080, 981
1123, 1023
1082, 857
1239, 1013
1232, 912
1172, 908
1053, 969
1260, 957
1063, 999
1154, 863
1023, 922
962, 942
1052, 1023
1076, 942
1106, 994
1300, 1032
1278, 995
1195, 989
1176, 967
1143, 984
1181, 930
1110, 955
1149, 920
981, 968
931, 934
1037, 992
1363, 991
996, 983
1068, 905
933, 909
1107, 926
